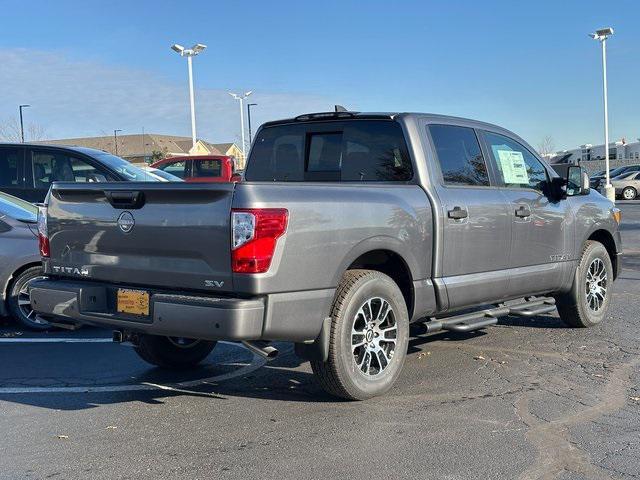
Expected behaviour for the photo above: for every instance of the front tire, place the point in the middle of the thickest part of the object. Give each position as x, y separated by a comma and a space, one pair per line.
629, 193
19, 303
172, 352
587, 302
369, 337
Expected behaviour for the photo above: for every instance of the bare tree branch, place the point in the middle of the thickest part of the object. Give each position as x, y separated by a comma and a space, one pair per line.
10, 131
547, 146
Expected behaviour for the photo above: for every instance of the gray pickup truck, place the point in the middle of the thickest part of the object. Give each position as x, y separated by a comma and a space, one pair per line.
346, 228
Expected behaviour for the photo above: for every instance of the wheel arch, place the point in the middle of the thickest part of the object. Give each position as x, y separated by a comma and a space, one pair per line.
606, 239
11, 280
390, 263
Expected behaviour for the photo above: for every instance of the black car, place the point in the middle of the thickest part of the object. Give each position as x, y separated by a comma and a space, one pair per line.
27, 170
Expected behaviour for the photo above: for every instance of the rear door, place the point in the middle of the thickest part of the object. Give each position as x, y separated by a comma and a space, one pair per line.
475, 223
542, 232
12, 171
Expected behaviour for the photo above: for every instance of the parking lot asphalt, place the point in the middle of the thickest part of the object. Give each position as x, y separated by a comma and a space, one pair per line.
526, 399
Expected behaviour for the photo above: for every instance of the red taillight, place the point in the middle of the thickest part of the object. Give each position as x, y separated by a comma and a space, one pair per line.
255, 234
43, 234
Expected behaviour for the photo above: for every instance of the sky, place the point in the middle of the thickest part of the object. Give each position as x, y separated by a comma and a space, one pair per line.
89, 67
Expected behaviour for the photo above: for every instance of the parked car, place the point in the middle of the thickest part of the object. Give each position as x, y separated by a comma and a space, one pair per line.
27, 170
627, 185
201, 168
596, 181
20, 261
346, 228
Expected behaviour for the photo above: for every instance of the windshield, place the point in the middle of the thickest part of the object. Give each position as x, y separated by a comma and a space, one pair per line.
616, 171
126, 169
625, 175
17, 208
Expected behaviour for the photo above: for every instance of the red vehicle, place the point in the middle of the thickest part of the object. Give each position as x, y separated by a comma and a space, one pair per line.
201, 168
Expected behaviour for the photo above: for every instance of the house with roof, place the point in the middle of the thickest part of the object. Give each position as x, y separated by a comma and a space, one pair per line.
149, 147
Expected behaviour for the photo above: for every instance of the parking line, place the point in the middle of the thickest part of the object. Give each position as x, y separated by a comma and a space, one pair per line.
55, 340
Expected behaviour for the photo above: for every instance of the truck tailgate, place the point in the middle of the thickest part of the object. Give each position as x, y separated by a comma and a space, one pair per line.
150, 234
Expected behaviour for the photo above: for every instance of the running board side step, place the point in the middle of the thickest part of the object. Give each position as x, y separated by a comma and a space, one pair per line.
468, 322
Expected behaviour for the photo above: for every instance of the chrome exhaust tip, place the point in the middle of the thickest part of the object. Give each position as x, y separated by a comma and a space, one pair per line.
260, 348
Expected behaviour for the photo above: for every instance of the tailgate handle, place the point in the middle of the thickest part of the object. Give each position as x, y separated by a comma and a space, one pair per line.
119, 199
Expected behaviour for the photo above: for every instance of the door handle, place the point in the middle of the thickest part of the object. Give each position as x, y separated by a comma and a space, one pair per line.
523, 212
457, 213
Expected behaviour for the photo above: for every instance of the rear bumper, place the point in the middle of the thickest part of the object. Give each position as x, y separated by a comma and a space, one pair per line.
295, 316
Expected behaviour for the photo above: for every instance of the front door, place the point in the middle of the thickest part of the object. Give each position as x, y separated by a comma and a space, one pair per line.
542, 232
474, 219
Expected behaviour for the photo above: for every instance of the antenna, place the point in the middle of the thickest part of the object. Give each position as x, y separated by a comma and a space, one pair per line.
339, 108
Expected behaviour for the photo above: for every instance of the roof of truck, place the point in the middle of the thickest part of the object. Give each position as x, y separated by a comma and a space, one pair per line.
323, 116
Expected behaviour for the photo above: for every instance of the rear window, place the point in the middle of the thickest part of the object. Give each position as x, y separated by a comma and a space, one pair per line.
341, 151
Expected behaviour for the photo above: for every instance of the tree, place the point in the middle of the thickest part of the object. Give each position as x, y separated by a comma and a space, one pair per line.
158, 155
547, 146
10, 131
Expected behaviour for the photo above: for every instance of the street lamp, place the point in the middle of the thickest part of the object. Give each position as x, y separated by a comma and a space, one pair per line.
190, 53
601, 36
115, 138
249, 105
241, 97
21, 123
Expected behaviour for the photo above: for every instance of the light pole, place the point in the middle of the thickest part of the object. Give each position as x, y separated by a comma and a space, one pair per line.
241, 97
249, 105
115, 139
190, 53
21, 123
601, 36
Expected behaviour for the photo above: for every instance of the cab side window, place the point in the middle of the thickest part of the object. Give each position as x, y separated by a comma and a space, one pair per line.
175, 168
459, 155
516, 166
49, 167
207, 168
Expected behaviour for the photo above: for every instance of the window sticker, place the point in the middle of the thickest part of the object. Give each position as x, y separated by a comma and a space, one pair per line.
514, 169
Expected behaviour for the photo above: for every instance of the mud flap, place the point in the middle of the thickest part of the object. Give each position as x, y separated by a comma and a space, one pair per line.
317, 349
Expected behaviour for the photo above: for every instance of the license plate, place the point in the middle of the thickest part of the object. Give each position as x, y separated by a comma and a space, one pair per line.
135, 302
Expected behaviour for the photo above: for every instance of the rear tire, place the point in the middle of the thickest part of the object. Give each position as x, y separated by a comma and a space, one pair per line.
19, 303
172, 352
369, 337
629, 193
587, 302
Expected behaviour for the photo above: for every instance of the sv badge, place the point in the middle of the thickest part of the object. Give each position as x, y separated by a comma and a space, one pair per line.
213, 283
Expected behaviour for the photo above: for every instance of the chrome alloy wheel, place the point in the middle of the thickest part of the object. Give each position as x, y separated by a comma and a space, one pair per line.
24, 303
596, 285
373, 336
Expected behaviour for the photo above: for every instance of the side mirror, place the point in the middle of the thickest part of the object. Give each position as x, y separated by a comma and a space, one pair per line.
577, 181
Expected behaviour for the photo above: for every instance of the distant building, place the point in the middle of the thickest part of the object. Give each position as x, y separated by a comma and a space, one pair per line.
149, 147
592, 156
